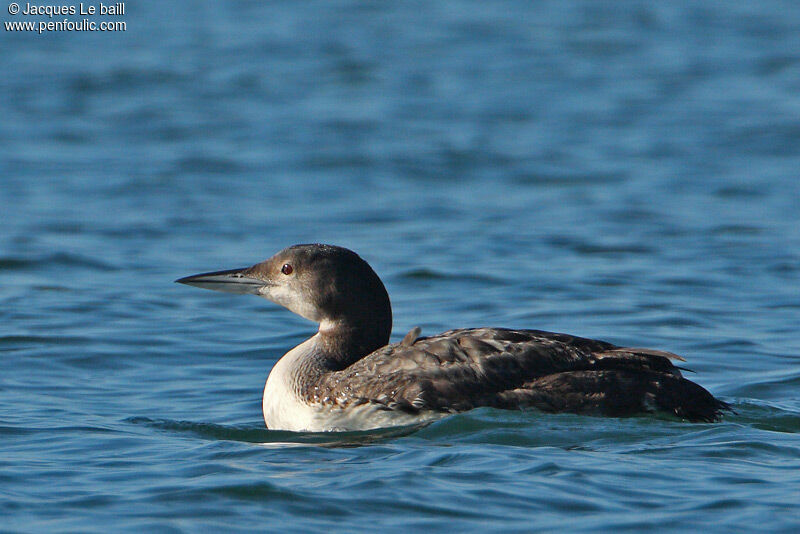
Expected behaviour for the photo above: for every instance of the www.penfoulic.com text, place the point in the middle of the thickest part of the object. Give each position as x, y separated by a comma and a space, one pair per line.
102, 17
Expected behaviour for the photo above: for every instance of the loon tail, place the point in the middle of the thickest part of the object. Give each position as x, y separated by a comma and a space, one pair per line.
616, 393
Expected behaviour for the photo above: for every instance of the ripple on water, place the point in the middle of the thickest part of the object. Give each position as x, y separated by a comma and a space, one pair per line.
48, 262
256, 433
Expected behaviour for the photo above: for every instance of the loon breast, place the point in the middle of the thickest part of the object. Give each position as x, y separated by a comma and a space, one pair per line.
300, 400
283, 405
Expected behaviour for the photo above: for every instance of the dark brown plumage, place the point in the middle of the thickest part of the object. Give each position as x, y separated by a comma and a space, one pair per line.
514, 369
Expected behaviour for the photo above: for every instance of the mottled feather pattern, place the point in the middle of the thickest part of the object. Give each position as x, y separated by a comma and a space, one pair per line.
462, 369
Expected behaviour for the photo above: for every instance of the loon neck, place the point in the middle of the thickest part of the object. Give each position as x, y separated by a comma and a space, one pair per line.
342, 343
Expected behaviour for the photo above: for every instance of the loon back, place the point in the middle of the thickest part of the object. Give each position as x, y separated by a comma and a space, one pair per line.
347, 377
513, 369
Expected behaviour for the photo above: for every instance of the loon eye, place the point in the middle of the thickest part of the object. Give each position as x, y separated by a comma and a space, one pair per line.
286, 269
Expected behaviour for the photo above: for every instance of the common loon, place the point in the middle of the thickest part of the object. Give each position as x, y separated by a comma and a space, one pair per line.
347, 377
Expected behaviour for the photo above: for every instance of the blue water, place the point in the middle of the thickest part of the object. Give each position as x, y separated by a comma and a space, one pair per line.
627, 171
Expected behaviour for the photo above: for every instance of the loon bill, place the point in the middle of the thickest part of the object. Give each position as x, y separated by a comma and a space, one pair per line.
347, 376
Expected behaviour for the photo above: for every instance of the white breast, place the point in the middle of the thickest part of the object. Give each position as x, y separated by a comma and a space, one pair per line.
284, 409
282, 405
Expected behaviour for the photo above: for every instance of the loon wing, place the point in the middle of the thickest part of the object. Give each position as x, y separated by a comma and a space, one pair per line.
463, 369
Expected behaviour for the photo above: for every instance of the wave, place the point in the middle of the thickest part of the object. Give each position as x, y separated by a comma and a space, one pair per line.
263, 436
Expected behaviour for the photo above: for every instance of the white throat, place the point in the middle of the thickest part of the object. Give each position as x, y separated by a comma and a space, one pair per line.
292, 300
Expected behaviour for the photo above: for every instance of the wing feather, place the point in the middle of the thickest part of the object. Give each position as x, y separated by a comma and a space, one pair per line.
462, 369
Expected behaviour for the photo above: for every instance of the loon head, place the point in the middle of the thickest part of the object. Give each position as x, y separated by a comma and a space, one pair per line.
326, 284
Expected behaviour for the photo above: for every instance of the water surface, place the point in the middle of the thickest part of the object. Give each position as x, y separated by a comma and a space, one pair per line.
619, 171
